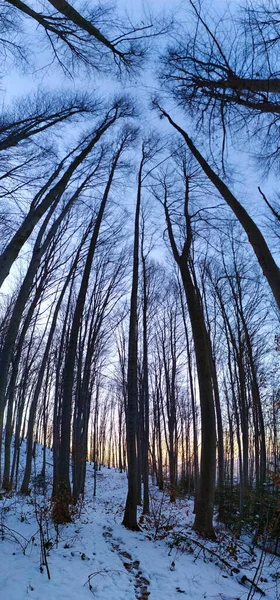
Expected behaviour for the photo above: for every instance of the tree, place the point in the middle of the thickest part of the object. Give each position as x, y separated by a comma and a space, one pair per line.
39, 112
48, 196
43, 253
205, 497
225, 75
145, 377
130, 514
94, 342
74, 36
148, 151
41, 375
169, 342
255, 237
64, 489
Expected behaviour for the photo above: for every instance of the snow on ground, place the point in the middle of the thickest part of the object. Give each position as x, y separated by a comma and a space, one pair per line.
95, 557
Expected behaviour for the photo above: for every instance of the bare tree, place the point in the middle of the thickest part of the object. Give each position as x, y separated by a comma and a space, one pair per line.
255, 237
75, 36
226, 75
39, 112
205, 498
64, 489
49, 196
149, 150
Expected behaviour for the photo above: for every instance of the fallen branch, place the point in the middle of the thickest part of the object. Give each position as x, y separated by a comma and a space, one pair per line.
242, 580
219, 558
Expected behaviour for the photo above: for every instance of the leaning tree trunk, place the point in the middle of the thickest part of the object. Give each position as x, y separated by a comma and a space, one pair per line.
7, 484
14, 323
38, 387
47, 199
266, 261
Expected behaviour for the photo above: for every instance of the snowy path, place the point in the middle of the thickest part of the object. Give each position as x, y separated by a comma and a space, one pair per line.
96, 558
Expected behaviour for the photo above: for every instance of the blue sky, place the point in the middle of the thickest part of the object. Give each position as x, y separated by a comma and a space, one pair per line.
16, 83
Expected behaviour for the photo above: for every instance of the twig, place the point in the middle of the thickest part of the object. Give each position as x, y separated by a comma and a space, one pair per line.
15, 535
219, 558
254, 587
101, 572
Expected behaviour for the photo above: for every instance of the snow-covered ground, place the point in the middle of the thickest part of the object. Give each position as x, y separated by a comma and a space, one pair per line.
95, 557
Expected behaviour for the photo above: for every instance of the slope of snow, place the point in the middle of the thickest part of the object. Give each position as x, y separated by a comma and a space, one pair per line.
96, 557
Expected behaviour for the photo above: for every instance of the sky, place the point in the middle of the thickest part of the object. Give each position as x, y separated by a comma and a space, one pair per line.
16, 83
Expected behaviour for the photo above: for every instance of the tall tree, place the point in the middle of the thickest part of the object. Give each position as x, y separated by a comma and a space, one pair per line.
64, 489
149, 150
91, 37
263, 254
48, 196
224, 73
205, 497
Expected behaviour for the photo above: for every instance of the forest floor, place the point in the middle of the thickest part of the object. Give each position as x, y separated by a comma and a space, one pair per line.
95, 557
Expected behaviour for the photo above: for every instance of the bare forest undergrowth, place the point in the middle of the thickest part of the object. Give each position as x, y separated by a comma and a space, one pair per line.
95, 556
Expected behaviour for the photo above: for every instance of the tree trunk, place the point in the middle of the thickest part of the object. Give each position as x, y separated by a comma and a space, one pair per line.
203, 523
130, 514
64, 492
255, 237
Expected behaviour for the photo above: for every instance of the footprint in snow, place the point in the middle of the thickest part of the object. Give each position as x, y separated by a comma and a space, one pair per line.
141, 583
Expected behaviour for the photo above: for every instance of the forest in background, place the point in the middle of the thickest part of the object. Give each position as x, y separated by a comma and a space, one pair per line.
140, 286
